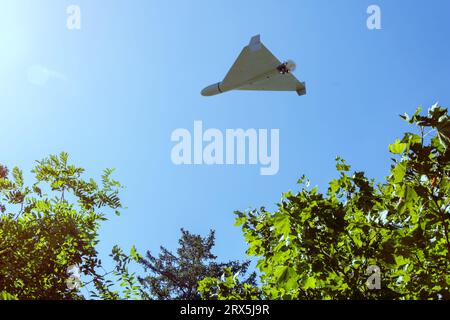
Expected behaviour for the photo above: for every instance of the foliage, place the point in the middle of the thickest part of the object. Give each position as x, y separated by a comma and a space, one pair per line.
228, 287
51, 225
127, 281
322, 246
7, 296
176, 276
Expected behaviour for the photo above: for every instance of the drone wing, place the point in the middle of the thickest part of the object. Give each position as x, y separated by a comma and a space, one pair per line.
254, 60
255, 69
277, 82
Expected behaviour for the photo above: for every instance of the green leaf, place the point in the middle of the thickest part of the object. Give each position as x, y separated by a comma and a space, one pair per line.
286, 277
282, 224
134, 254
309, 283
399, 172
397, 147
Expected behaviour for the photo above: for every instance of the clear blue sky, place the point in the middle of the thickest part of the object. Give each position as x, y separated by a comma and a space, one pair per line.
133, 73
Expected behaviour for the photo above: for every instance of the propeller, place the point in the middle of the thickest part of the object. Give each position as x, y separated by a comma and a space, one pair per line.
291, 65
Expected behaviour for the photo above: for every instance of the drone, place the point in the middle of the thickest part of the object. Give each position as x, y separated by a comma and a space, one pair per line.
256, 68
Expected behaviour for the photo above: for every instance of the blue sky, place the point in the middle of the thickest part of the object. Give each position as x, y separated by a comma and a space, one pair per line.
133, 74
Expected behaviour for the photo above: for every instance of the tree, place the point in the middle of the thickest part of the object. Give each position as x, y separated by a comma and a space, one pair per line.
360, 240
176, 276
51, 225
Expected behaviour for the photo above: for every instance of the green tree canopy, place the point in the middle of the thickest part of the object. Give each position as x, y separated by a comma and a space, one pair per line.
176, 276
332, 245
51, 225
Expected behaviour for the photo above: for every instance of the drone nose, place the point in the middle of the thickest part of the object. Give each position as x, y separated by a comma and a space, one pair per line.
211, 90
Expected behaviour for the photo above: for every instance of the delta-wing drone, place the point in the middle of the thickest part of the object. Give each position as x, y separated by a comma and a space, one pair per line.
257, 68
